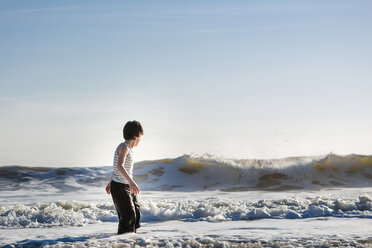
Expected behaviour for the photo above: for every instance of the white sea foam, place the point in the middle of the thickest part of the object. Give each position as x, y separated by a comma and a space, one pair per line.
314, 232
77, 213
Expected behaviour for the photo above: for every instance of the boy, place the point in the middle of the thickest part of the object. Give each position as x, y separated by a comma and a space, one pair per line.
122, 187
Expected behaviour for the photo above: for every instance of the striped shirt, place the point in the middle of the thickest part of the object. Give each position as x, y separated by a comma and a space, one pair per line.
128, 165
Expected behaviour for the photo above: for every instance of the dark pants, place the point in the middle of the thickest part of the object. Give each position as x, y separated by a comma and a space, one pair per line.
127, 207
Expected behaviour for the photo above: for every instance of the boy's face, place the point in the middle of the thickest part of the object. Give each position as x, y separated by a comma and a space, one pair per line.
137, 140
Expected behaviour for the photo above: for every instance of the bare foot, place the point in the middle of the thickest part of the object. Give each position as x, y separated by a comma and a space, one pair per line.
135, 230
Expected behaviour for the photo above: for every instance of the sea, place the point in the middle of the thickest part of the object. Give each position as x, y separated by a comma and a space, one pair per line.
194, 201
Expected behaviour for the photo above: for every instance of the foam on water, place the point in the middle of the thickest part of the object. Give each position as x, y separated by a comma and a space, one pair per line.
212, 209
314, 232
197, 243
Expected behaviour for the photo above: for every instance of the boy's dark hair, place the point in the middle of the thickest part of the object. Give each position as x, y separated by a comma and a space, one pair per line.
132, 129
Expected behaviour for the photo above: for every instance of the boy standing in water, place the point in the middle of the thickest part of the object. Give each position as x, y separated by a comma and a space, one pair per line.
121, 186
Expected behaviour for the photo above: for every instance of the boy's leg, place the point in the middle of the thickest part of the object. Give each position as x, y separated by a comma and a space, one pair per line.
138, 212
114, 200
114, 188
116, 207
124, 206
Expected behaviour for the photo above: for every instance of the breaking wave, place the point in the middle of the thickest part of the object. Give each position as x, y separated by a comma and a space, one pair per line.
195, 173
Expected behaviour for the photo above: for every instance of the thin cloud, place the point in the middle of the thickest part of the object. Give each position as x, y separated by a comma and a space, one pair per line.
67, 8
254, 9
232, 30
150, 11
35, 10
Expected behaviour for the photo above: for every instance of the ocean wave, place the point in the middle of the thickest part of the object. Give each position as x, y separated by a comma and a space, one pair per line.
63, 179
193, 173
187, 173
212, 209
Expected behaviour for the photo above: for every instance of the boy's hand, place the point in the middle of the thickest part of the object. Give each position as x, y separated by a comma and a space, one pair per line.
108, 190
134, 188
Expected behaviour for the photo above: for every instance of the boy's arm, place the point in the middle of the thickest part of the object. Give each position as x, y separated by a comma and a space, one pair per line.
108, 189
123, 152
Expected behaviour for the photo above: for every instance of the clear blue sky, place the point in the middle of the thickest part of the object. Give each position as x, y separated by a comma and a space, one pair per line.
238, 79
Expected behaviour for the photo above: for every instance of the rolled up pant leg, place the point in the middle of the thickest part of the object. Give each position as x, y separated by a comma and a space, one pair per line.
126, 206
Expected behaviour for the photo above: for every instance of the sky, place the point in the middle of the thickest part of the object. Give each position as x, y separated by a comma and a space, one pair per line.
233, 79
